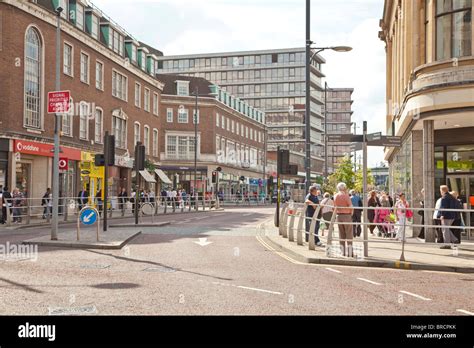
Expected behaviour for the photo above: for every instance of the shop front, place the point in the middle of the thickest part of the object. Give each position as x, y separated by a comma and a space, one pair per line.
32, 172
92, 176
4, 149
183, 178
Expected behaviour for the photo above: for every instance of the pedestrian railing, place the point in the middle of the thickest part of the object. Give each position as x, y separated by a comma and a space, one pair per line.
293, 221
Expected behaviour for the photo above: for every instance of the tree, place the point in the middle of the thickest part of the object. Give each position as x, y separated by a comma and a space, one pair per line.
344, 173
359, 180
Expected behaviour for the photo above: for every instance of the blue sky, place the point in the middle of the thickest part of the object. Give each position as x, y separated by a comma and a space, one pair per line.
191, 26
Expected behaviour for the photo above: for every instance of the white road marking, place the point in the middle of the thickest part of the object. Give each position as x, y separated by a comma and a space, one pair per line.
464, 311
201, 218
369, 281
415, 295
248, 214
261, 290
333, 270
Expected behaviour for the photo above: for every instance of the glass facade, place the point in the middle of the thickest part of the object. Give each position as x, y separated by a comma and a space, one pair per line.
270, 81
401, 170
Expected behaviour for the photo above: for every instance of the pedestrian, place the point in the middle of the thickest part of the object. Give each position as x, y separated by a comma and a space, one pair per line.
344, 212
402, 212
17, 204
447, 217
327, 208
357, 215
133, 200
312, 203
1, 210
6, 203
437, 221
83, 198
122, 199
458, 222
421, 212
100, 202
45, 205
384, 219
373, 202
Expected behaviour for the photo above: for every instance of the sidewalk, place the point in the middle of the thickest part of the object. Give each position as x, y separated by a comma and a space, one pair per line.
418, 255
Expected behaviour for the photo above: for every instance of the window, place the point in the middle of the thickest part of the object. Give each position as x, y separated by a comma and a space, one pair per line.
95, 27
146, 103
237, 128
66, 123
183, 87
138, 94
68, 59
223, 122
180, 146
119, 85
136, 133
247, 132
33, 78
233, 127
134, 53
84, 121
453, 28
80, 16
182, 115
84, 67
196, 116
99, 75
155, 104
64, 4
146, 139
169, 115
155, 142
217, 120
119, 128
99, 125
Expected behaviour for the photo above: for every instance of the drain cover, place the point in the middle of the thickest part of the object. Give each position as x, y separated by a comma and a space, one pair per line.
72, 310
160, 269
94, 266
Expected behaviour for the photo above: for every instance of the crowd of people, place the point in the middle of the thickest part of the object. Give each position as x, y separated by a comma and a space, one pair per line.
386, 217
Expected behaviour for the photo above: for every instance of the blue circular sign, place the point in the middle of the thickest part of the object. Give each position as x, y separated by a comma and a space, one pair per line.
88, 216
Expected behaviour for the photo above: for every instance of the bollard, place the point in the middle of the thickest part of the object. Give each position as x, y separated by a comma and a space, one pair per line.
291, 236
331, 228
301, 226
284, 223
173, 204
312, 227
9, 217
282, 213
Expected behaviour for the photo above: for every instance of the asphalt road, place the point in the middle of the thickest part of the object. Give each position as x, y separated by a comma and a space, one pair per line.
216, 263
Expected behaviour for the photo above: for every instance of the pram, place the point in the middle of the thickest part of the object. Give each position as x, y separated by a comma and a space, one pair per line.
385, 221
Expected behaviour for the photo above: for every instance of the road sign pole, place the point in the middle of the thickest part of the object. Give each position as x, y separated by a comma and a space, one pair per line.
277, 223
57, 118
106, 177
364, 195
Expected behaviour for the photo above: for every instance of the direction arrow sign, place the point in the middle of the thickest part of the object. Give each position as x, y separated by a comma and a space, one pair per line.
344, 138
88, 216
356, 147
374, 136
387, 141
203, 242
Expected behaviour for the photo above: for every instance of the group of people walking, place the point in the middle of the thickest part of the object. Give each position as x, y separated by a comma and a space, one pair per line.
14, 201
385, 217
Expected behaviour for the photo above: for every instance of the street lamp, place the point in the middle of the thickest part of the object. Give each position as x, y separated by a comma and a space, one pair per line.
309, 57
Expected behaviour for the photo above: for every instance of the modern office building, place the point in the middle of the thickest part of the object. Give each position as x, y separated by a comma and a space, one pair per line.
430, 104
339, 113
272, 81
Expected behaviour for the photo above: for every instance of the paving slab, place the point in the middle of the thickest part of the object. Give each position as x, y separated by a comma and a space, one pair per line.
112, 239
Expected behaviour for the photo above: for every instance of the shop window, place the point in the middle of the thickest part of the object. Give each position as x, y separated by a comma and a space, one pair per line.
33, 79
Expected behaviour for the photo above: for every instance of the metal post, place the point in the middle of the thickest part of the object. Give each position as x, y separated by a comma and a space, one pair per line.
364, 194
137, 175
57, 118
277, 222
308, 96
196, 91
325, 132
106, 177
355, 150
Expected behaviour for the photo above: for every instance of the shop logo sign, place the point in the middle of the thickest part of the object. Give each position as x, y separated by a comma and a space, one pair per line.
20, 147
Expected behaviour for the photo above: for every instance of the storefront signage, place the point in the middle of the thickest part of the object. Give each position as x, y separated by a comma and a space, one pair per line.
40, 149
123, 161
63, 163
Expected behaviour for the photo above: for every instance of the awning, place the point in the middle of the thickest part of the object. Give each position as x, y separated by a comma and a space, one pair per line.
161, 174
147, 176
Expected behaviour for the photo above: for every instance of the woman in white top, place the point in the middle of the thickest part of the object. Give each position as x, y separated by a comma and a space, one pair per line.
327, 208
437, 222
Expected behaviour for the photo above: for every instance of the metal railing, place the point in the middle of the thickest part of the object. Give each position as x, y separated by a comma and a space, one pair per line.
293, 221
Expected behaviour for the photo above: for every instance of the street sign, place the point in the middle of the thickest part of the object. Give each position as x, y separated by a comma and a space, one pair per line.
59, 102
88, 216
374, 136
387, 141
344, 138
356, 147
63, 163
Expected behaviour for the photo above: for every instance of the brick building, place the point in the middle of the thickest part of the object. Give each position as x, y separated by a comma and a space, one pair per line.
231, 134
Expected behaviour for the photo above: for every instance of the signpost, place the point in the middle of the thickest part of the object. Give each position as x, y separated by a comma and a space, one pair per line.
88, 216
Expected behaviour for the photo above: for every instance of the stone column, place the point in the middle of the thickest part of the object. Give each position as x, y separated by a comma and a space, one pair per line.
429, 175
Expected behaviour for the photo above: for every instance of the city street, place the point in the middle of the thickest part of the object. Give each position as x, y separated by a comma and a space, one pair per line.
215, 263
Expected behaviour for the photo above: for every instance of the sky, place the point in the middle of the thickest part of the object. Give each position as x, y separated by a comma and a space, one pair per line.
207, 26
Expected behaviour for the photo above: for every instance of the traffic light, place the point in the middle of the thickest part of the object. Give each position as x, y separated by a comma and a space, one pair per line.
99, 160
140, 156
109, 146
214, 177
283, 161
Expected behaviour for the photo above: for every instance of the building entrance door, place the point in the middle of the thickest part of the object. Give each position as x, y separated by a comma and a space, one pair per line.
464, 185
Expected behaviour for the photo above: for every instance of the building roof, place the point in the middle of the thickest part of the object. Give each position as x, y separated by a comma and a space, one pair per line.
152, 50
170, 84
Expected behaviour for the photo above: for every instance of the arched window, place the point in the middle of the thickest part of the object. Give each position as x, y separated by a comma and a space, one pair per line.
33, 76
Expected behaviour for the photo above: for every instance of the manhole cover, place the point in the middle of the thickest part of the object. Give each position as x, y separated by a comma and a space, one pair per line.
72, 310
94, 266
160, 269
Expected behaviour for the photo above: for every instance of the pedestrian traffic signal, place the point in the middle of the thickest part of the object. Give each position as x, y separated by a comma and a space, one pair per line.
99, 160
214, 177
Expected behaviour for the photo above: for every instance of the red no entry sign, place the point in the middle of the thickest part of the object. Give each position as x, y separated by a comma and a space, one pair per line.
59, 102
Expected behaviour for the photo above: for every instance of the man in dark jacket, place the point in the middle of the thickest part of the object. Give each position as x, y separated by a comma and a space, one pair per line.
6, 202
447, 217
83, 198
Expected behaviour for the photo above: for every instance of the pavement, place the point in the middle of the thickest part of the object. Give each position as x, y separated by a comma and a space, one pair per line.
214, 264
382, 253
